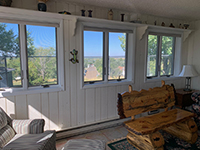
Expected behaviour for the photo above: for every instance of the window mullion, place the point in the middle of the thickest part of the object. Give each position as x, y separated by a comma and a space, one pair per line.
159, 55
23, 55
126, 56
173, 53
106, 58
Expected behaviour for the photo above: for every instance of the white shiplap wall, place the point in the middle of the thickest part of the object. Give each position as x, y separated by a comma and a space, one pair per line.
75, 106
194, 53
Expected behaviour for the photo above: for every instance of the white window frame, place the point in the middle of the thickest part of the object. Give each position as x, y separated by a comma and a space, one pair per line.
130, 50
178, 34
159, 55
58, 23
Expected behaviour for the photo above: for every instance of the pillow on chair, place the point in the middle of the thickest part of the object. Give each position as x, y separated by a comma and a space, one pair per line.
6, 134
3, 119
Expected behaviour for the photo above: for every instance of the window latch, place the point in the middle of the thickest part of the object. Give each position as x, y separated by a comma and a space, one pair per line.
119, 79
45, 86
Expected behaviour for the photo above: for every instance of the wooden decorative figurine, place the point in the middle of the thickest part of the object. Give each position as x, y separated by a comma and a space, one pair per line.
122, 17
110, 15
41, 5
163, 24
74, 59
90, 13
83, 12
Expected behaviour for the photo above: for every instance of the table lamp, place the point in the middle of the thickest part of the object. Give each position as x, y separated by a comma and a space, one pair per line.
188, 71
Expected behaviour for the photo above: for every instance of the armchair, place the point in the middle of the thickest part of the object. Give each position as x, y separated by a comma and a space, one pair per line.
25, 134
196, 107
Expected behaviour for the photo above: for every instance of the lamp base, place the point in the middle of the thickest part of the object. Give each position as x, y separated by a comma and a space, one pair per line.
187, 90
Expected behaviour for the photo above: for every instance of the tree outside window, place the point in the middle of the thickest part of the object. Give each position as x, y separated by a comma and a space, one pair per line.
160, 59
42, 61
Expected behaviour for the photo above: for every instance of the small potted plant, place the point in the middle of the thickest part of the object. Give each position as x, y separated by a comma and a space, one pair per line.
42, 5
5, 3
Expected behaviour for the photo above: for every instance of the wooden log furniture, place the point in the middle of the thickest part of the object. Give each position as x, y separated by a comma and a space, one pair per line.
144, 131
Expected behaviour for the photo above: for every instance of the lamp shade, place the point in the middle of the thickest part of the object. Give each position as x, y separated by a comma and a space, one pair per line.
188, 71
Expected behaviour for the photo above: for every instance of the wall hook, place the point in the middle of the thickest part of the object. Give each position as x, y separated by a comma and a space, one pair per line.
74, 59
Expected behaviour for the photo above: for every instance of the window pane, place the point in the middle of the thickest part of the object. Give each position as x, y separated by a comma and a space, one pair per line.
117, 56
152, 55
93, 56
10, 67
167, 56
42, 60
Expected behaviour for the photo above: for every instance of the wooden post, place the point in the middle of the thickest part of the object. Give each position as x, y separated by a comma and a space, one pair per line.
130, 88
163, 83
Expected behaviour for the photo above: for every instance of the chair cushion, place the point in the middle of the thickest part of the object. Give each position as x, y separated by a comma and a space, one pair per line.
84, 144
29, 126
6, 134
41, 141
9, 120
3, 119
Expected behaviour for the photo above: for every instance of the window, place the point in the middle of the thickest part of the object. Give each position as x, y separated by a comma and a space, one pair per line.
93, 56
28, 56
41, 51
10, 63
117, 56
104, 56
160, 57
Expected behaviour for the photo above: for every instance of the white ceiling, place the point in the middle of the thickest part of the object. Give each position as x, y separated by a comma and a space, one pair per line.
177, 9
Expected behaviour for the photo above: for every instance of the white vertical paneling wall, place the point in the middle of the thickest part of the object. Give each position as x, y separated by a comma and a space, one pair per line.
45, 109
76, 106
90, 105
73, 79
10, 106
194, 53
34, 106
104, 103
21, 110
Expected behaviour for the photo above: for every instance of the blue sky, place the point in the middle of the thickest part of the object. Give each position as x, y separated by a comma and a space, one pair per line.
43, 36
93, 41
93, 44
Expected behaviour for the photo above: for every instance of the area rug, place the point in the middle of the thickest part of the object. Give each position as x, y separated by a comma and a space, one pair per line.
171, 143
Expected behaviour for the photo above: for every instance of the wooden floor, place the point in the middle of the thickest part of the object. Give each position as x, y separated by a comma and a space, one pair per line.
105, 134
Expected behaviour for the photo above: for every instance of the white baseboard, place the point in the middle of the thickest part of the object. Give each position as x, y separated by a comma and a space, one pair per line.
89, 128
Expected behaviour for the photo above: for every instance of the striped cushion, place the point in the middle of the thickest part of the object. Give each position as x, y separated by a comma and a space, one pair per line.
42, 141
9, 120
30, 126
6, 134
84, 144
3, 119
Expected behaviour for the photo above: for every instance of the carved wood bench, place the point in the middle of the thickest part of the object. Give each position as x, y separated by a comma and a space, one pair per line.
143, 132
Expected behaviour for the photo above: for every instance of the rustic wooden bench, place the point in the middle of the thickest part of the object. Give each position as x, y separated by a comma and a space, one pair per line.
144, 131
